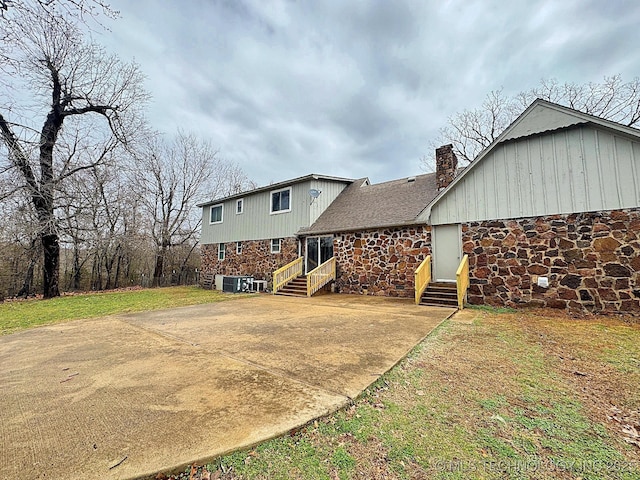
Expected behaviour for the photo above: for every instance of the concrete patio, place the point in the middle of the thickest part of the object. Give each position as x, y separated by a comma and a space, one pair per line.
132, 395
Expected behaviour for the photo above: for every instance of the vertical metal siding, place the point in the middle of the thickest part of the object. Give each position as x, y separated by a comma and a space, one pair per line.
330, 190
635, 153
625, 170
257, 223
576, 170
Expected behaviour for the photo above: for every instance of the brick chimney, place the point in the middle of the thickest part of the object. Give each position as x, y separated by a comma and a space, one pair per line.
446, 166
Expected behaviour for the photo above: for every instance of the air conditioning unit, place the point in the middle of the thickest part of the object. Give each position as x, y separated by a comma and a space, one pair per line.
236, 283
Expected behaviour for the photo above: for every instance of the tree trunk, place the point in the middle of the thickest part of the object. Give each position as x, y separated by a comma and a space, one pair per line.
96, 273
27, 285
77, 269
51, 267
157, 273
118, 265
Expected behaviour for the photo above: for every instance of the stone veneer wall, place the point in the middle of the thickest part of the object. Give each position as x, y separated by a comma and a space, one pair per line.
592, 261
446, 166
256, 258
381, 262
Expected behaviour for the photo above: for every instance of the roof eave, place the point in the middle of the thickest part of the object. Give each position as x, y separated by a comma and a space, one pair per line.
275, 186
307, 233
587, 118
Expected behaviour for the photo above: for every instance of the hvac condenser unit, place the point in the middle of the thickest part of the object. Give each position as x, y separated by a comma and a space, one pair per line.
236, 283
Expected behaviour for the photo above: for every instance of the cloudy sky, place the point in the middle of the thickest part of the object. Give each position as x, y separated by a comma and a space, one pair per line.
355, 88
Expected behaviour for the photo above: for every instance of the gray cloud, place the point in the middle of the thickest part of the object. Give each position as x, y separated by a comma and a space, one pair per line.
355, 88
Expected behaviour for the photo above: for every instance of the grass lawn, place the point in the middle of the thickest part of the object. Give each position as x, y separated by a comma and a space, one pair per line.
520, 395
19, 315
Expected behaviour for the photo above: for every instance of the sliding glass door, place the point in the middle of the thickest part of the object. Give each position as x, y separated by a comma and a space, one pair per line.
318, 251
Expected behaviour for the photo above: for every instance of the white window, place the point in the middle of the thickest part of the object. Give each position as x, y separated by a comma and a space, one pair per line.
281, 200
216, 214
221, 251
239, 206
275, 245
239, 248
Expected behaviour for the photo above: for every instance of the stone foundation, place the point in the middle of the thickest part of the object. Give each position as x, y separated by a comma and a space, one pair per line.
591, 260
256, 258
381, 262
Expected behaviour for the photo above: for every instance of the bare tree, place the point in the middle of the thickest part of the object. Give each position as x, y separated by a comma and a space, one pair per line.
68, 81
77, 8
174, 177
471, 131
19, 248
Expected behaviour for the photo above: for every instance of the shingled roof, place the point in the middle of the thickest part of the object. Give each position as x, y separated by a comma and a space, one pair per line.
363, 206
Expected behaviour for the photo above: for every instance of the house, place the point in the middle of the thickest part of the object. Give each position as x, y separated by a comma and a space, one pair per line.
254, 233
378, 240
371, 232
547, 215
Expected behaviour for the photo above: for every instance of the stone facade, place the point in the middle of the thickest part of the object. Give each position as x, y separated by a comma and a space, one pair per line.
591, 261
381, 262
256, 258
446, 166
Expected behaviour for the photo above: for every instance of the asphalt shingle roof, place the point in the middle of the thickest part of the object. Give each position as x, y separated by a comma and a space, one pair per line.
362, 206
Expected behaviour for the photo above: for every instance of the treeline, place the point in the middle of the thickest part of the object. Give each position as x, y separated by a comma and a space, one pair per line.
129, 220
91, 196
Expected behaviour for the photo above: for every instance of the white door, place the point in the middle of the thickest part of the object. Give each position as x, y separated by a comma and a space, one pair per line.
446, 252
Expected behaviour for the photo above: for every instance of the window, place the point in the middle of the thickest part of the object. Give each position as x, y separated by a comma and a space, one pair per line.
216, 214
275, 245
239, 206
281, 201
239, 248
221, 251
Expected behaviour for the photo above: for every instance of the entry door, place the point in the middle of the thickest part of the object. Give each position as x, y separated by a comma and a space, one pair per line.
313, 250
446, 252
319, 250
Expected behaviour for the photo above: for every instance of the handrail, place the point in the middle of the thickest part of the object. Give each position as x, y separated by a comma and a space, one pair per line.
422, 278
320, 276
462, 280
287, 273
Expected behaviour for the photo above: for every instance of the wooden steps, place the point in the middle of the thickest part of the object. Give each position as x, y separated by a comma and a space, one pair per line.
207, 281
295, 288
440, 294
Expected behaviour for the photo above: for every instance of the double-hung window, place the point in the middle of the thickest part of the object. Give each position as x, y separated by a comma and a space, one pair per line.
221, 251
281, 200
239, 206
275, 245
239, 248
216, 214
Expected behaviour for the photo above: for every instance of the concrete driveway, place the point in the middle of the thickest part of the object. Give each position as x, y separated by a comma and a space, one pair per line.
128, 396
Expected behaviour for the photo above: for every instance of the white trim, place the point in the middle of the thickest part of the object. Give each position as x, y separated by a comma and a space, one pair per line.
238, 248
240, 202
319, 259
292, 181
271, 211
222, 249
221, 205
279, 240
